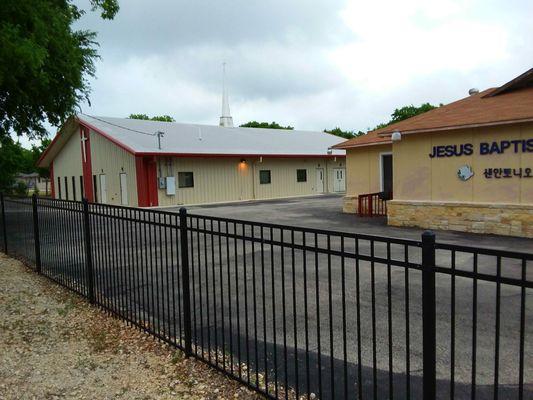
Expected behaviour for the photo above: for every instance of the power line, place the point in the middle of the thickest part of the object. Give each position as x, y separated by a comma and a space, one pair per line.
123, 127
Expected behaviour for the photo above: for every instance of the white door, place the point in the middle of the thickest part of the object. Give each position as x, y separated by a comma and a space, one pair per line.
320, 180
123, 189
339, 180
103, 189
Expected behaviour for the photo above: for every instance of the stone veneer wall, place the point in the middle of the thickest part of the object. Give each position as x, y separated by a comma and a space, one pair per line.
500, 219
350, 204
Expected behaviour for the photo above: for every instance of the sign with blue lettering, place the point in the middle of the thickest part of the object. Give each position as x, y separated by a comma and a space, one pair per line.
485, 148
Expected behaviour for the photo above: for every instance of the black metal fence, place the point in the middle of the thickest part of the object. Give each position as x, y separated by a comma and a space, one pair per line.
293, 311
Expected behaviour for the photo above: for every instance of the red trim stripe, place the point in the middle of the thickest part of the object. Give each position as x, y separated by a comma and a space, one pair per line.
219, 155
110, 138
87, 167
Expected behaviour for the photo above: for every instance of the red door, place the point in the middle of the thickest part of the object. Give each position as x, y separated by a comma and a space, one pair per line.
146, 168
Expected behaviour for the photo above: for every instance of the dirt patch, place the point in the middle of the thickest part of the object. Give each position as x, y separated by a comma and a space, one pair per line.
54, 345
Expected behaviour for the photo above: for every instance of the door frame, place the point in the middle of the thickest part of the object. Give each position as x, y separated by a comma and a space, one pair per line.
385, 153
123, 189
323, 180
335, 179
103, 193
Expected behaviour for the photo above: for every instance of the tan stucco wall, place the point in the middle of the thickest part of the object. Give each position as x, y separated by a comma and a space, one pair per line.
110, 159
226, 179
419, 177
68, 163
428, 192
363, 172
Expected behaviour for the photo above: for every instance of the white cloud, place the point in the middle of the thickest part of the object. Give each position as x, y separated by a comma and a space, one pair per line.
397, 43
311, 65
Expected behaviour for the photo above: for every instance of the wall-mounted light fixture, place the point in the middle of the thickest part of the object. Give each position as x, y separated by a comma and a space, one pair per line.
396, 136
243, 161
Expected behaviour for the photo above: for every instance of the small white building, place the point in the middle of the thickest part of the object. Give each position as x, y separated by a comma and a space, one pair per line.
150, 163
35, 183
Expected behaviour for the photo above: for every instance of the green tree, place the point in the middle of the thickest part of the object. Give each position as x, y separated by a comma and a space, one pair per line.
344, 134
266, 125
44, 63
162, 118
406, 112
35, 154
11, 160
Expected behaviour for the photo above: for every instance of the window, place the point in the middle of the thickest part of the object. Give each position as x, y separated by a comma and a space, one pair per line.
301, 175
74, 188
95, 188
66, 188
58, 187
264, 176
81, 188
185, 179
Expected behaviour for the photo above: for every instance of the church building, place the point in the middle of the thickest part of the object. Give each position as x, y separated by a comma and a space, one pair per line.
149, 163
466, 166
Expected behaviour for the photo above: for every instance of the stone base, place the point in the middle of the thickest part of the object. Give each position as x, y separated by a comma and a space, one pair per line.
499, 219
350, 205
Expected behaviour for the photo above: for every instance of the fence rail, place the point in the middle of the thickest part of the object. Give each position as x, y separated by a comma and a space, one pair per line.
292, 311
373, 204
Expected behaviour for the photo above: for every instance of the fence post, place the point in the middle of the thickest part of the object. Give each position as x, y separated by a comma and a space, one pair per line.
428, 315
36, 233
184, 249
88, 252
4, 223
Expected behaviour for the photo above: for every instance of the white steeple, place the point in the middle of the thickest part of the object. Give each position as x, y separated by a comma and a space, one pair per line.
225, 119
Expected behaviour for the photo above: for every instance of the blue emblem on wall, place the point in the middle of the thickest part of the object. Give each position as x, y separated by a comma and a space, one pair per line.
465, 172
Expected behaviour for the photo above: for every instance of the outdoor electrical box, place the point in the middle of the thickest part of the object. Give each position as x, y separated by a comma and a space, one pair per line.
171, 185
162, 183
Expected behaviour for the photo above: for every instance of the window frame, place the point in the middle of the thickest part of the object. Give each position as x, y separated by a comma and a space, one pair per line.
299, 170
261, 176
184, 185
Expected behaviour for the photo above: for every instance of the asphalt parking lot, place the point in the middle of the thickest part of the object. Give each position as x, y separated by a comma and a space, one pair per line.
324, 212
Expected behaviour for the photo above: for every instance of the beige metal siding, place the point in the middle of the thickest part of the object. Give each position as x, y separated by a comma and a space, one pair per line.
109, 159
331, 165
227, 179
215, 180
68, 163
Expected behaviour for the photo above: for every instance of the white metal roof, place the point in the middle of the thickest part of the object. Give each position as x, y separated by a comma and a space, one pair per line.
139, 135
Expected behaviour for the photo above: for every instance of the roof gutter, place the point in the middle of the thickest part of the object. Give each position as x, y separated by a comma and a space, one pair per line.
363, 145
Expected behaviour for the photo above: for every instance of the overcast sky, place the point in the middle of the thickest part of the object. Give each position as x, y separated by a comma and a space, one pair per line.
311, 64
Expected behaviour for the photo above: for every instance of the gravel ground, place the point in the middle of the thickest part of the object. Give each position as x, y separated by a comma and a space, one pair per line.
54, 345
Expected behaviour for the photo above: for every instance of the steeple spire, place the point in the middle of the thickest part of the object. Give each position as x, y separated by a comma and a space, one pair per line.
225, 118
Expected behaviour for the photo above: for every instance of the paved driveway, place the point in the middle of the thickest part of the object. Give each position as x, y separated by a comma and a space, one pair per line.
325, 212
381, 297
